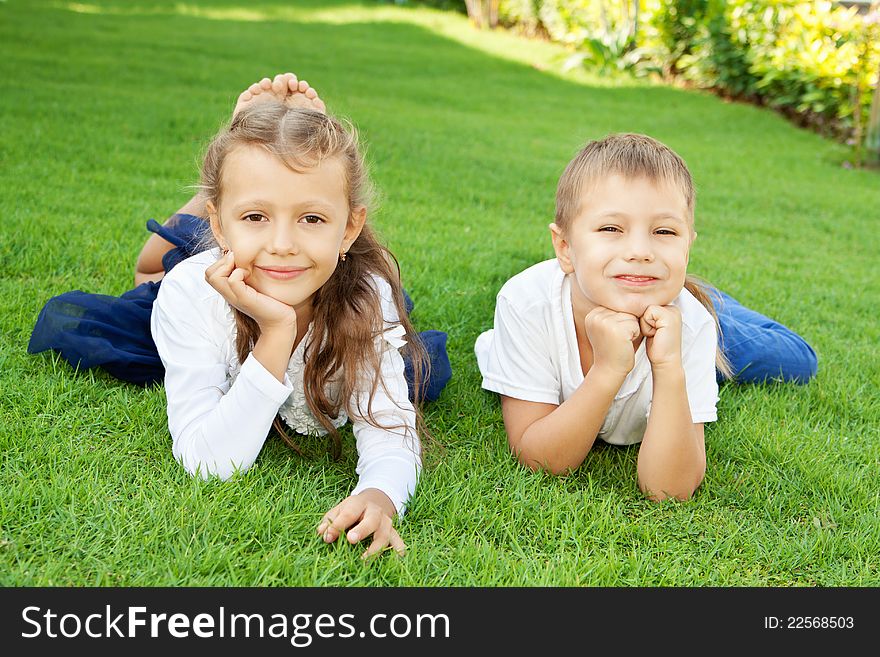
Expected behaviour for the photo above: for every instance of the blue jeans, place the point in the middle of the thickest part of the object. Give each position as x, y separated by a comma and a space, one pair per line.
760, 349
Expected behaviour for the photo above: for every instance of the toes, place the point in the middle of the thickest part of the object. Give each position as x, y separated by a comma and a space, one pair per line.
266, 84
319, 104
254, 89
311, 94
292, 83
303, 86
245, 96
279, 85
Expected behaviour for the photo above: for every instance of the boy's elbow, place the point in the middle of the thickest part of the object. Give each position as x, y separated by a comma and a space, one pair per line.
681, 493
536, 465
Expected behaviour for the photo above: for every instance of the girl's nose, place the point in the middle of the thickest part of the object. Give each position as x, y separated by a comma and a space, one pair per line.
283, 239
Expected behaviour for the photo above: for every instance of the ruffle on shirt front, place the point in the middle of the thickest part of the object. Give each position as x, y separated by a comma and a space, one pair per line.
295, 410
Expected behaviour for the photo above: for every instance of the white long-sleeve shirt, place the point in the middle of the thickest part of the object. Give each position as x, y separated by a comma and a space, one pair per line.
220, 411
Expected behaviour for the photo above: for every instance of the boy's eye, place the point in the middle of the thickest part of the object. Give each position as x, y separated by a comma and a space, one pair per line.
665, 231
609, 229
254, 217
312, 219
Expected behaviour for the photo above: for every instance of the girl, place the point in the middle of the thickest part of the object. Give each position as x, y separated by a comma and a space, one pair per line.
298, 312
612, 339
293, 312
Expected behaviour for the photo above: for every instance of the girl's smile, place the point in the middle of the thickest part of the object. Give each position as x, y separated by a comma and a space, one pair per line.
281, 273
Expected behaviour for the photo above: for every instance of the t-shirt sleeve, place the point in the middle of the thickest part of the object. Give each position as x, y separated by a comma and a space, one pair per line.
216, 429
519, 362
389, 455
698, 360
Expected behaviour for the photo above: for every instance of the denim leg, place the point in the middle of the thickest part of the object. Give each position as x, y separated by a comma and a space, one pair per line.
439, 370
760, 349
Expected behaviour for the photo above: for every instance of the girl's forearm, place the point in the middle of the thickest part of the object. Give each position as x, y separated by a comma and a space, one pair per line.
672, 456
560, 441
273, 349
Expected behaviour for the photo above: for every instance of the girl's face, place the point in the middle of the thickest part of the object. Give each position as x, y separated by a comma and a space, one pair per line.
286, 228
628, 246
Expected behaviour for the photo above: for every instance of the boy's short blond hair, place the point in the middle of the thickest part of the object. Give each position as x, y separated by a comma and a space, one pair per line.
629, 155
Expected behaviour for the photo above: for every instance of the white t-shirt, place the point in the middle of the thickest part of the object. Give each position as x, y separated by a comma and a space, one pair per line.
220, 411
532, 353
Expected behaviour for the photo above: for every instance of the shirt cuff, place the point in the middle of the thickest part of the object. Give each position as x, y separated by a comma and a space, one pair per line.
399, 487
507, 389
264, 381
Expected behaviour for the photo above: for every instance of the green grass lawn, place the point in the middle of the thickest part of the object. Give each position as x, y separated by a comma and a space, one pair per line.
105, 108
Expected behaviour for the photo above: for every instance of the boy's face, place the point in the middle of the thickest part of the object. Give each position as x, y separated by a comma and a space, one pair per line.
627, 247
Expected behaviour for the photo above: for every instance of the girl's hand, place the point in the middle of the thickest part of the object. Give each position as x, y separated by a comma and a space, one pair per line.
367, 513
229, 281
611, 335
661, 326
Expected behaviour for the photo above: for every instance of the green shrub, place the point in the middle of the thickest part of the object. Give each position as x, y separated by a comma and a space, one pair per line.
818, 60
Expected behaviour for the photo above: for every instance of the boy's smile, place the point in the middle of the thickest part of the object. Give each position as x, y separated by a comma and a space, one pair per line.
627, 247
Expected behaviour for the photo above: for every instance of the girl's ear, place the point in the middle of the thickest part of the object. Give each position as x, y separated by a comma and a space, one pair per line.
214, 219
562, 248
356, 221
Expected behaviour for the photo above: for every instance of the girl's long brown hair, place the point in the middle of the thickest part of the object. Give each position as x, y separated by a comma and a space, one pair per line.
633, 155
347, 317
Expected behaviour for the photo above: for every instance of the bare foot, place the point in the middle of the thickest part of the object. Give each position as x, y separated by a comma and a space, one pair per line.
284, 88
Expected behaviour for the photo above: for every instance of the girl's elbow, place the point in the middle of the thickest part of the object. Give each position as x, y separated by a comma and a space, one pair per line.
205, 470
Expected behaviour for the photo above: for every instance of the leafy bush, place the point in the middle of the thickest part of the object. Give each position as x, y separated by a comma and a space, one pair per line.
818, 60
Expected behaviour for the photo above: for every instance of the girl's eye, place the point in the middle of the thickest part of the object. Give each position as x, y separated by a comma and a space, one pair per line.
609, 229
312, 219
665, 231
254, 217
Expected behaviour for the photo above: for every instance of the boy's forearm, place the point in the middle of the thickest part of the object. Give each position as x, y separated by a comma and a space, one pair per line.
672, 459
560, 441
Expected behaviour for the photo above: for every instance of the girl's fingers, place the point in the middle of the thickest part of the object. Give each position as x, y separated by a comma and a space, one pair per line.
381, 539
397, 543
328, 519
369, 524
345, 519
236, 280
222, 267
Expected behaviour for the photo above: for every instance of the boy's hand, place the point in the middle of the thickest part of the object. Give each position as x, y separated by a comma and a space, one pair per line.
611, 335
269, 313
367, 513
661, 326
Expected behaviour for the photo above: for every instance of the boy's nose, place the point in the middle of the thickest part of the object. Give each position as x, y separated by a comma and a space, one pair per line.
639, 249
